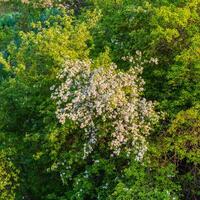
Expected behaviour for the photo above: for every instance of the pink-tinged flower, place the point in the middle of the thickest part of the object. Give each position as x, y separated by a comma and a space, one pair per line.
93, 97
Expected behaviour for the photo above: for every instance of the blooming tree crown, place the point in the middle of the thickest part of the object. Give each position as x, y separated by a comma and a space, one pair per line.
105, 100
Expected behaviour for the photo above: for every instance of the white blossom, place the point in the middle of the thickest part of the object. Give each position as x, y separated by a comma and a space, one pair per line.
93, 97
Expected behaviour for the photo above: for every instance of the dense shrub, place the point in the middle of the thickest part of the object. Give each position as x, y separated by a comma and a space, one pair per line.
41, 158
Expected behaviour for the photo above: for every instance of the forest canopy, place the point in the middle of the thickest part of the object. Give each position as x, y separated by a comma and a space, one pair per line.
99, 99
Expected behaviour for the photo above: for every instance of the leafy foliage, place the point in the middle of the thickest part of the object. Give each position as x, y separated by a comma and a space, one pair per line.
43, 159
143, 183
8, 177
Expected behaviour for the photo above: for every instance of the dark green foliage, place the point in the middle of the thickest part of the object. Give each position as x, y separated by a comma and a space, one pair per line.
41, 159
141, 182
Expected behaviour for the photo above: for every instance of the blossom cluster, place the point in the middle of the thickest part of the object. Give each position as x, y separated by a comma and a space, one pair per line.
107, 100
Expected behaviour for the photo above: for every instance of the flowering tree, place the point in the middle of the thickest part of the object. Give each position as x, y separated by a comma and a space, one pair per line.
105, 102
